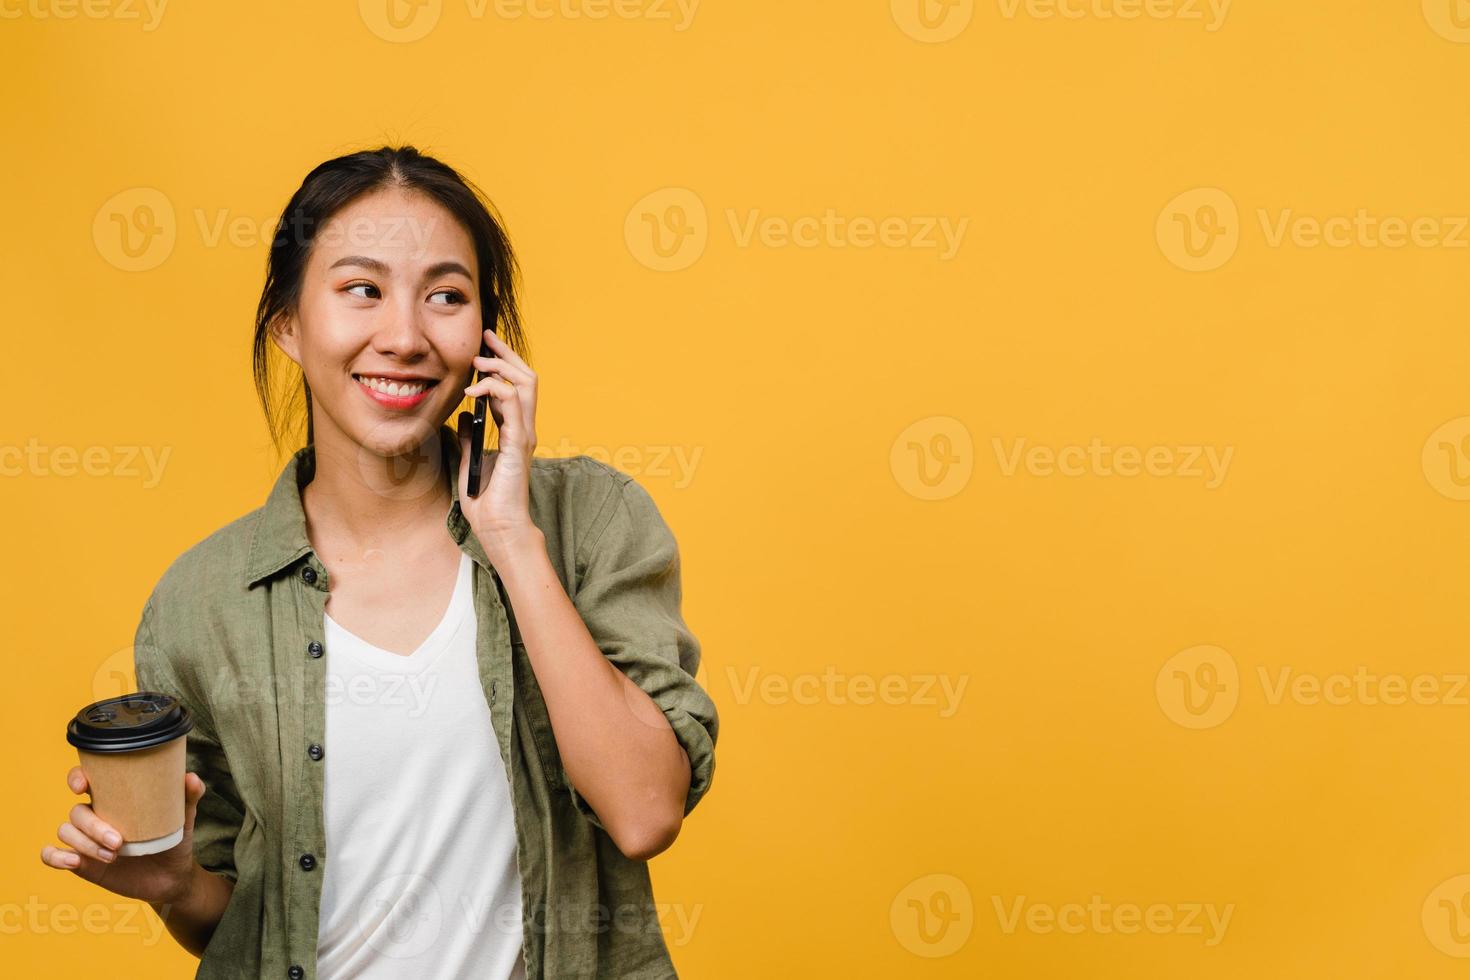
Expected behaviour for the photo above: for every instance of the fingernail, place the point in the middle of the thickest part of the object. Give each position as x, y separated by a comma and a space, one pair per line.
105, 854
113, 838
72, 860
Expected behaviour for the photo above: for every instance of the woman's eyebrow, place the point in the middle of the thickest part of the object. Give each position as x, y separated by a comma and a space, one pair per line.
443, 268
373, 265
432, 272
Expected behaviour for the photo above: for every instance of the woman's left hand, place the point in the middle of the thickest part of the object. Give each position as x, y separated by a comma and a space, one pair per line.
501, 515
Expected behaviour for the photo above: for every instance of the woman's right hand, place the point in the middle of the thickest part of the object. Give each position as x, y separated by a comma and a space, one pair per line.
161, 878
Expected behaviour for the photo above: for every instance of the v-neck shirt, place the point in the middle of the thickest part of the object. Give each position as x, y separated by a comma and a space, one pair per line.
417, 811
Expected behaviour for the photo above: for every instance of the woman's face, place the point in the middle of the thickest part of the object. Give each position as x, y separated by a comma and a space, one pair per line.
388, 321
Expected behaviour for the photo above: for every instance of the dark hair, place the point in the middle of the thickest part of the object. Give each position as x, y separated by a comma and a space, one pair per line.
333, 185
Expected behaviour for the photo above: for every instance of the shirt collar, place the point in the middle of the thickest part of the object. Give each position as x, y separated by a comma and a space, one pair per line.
280, 536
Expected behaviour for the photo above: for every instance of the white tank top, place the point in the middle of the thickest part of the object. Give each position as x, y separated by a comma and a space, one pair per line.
420, 876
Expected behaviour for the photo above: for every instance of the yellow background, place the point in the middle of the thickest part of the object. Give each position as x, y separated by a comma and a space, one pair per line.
803, 377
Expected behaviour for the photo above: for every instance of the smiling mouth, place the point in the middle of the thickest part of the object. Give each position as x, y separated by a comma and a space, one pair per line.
392, 388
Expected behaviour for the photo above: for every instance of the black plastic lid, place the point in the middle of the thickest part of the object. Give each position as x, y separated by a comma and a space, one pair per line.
134, 721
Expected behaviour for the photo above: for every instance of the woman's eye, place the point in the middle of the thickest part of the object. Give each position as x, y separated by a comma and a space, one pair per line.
362, 285
455, 297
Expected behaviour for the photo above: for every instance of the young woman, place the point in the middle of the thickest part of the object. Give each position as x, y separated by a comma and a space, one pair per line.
435, 735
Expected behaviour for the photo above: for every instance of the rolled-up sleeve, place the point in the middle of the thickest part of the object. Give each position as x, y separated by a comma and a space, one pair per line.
629, 596
220, 813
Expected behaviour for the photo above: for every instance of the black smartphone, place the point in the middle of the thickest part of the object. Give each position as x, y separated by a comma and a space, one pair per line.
477, 430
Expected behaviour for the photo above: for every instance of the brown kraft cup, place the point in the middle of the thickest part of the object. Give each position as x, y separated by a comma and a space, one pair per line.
132, 752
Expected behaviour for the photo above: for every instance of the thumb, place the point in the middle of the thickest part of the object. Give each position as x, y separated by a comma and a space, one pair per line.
194, 790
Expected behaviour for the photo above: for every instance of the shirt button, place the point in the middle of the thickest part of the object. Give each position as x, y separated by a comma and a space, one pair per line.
307, 862
315, 751
308, 575
314, 648
295, 973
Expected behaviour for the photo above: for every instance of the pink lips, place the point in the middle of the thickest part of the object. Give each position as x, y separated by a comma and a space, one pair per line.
393, 401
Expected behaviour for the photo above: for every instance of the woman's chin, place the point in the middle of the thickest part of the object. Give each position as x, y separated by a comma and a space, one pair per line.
395, 437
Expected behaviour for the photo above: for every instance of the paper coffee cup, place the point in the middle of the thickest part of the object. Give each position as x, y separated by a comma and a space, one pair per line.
132, 752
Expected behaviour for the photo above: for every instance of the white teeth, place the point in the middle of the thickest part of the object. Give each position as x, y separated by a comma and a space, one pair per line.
401, 389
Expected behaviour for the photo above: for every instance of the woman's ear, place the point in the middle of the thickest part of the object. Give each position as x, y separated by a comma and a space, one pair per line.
285, 336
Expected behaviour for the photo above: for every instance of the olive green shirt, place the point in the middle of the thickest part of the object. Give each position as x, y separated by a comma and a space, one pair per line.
235, 628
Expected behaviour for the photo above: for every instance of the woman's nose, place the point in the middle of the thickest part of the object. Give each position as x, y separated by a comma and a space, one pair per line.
401, 332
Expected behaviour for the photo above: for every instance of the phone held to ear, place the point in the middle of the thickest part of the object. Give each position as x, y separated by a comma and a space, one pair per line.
477, 428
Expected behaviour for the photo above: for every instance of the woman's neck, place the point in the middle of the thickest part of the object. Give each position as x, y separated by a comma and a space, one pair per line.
358, 500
